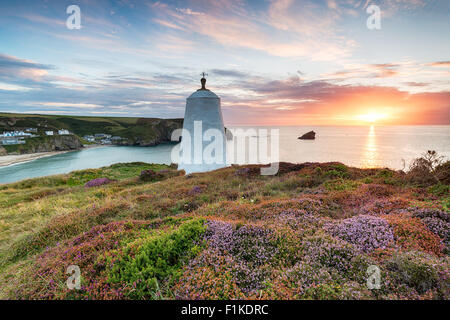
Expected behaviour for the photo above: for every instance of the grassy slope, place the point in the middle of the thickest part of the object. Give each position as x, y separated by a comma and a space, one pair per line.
131, 230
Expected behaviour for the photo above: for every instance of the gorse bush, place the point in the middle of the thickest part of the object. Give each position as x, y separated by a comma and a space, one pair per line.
146, 264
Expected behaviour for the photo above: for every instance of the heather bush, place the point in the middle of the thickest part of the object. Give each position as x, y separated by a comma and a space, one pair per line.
412, 234
209, 276
150, 175
247, 250
440, 228
437, 221
97, 182
83, 250
195, 190
328, 252
367, 233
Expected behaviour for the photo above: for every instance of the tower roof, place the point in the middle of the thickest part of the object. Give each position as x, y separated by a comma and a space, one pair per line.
203, 94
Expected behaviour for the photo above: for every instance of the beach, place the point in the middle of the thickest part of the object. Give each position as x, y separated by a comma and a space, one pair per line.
15, 159
20, 158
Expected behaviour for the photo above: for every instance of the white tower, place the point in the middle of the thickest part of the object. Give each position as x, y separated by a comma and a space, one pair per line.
203, 142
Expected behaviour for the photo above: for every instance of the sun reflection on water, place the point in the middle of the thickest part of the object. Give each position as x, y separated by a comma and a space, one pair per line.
369, 158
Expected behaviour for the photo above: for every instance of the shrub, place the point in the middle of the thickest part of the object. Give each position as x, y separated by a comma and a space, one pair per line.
156, 259
423, 170
421, 271
385, 173
83, 250
331, 253
341, 185
437, 221
442, 172
246, 251
97, 182
150, 175
411, 234
196, 190
367, 233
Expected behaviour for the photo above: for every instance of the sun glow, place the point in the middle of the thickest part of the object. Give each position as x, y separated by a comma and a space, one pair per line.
371, 117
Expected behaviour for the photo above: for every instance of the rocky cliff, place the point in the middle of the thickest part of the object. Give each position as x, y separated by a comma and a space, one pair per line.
149, 132
46, 144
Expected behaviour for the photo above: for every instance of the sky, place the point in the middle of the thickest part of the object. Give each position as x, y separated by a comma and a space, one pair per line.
273, 62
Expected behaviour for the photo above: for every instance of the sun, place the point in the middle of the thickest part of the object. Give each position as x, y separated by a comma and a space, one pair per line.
371, 117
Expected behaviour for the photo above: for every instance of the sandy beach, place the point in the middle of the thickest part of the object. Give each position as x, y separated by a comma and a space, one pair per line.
14, 159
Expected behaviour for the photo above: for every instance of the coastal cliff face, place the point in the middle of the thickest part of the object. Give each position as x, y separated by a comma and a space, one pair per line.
45, 144
149, 132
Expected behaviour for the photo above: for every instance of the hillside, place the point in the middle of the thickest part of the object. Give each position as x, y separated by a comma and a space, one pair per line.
136, 131
45, 144
310, 232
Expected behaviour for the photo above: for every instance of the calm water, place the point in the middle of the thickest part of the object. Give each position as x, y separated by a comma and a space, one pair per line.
371, 146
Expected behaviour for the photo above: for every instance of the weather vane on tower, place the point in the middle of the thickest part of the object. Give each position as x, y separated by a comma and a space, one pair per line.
203, 81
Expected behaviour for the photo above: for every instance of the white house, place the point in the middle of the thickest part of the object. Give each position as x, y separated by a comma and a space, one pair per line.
49, 133
15, 134
63, 131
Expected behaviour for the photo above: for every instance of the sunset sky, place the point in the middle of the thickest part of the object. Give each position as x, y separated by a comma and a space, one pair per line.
278, 62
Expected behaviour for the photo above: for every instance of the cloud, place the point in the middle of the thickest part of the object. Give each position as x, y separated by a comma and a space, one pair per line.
287, 29
292, 101
189, 11
10, 62
381, 70
228, 73
247, 98
440, 64
22, 72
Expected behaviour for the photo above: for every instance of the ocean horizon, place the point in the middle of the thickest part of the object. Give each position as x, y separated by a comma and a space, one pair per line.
373, 146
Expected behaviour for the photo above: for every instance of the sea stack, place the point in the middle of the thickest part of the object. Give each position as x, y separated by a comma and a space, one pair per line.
311, 135
203, 142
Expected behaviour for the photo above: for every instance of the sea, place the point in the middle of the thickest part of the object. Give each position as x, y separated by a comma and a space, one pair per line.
359, 146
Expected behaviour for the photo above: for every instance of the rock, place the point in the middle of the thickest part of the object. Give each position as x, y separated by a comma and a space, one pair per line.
308, 136
3, 151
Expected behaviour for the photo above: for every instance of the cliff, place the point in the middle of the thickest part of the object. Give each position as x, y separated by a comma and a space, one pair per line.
45, 144
149, 132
